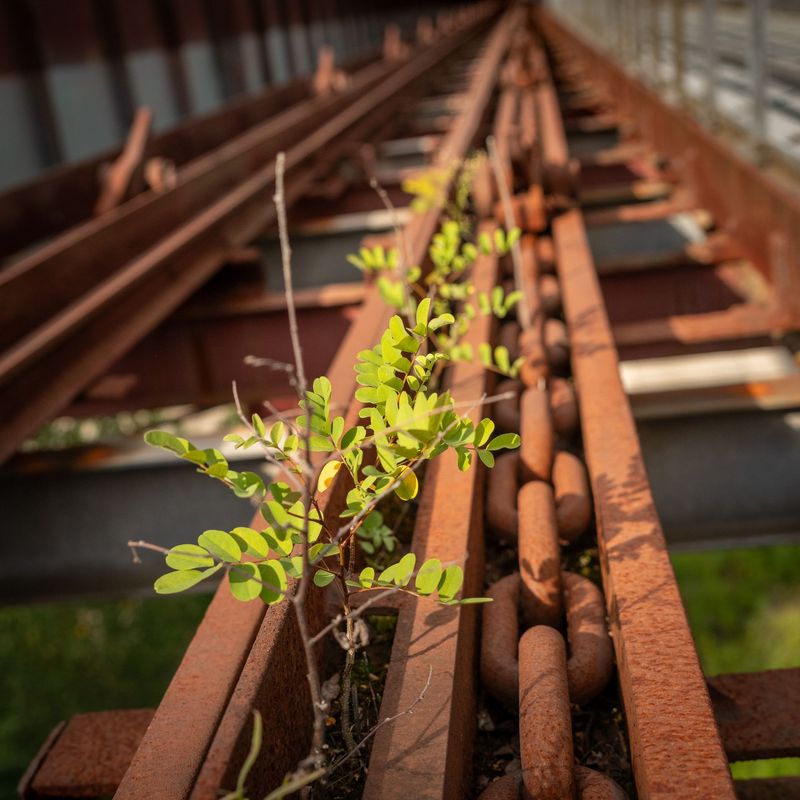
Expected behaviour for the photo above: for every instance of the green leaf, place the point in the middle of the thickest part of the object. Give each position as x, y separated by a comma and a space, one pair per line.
276, 432
367, 577
220, 544
243, 587
246, 484
423, 311
322, 550
322, 386
469, 601
188, 556
428, 577
167, 441
367, 395
373, 520
500, 240
322, 577
279, 541
258, 426
251, 541
486, 457
179, 581
502, 358
337, 428
397, 328
274, 512
293, 566
405, 568
450, 582
400, 572
218, 470
483, 430
195, 456
353, 437
507, 441
272, 573
442, 319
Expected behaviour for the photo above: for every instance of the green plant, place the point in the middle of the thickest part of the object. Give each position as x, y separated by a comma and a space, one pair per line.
453, 251
407, 422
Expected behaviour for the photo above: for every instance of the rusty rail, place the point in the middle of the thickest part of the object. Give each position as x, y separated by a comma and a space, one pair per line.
249, 672
552, 640
668, 709
75, 305
65, 196
760, 214
670, 720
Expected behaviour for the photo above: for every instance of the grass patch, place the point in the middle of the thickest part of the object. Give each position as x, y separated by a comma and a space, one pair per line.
743, 607
60, 659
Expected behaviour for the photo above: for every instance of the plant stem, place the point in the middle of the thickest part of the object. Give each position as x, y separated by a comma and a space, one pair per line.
346, 684
315, 757
351, 651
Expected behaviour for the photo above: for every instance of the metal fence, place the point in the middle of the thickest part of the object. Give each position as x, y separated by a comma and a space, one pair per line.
734, 65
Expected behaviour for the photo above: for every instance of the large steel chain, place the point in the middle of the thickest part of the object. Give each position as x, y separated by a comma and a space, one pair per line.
537, 499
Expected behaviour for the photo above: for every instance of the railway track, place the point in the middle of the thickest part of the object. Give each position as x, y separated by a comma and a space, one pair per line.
76, 304
578, 483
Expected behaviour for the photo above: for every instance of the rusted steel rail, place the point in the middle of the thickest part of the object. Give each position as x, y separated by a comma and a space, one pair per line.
751, 207
66, 196
71, 308
193, 751
670, 717
579, 474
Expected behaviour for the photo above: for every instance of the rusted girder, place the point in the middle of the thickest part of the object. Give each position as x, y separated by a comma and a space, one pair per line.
668, 710
190, 749
757, 713
763, 217
73, 307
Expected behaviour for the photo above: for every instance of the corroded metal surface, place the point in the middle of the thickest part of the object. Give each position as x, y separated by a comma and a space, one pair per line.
88, 755
758, 713
667, 705
539, 555
75, 305
545, 725
428, 753
754, 207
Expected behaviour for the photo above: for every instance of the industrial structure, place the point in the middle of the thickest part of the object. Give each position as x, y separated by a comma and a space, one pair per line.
655, 185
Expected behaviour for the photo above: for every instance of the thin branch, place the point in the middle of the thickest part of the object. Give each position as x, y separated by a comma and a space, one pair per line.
315, 757
286, 264
355, 613
298, 781
302, 466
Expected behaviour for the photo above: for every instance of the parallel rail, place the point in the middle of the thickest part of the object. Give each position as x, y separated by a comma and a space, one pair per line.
261, 654
74, 306
579, 473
